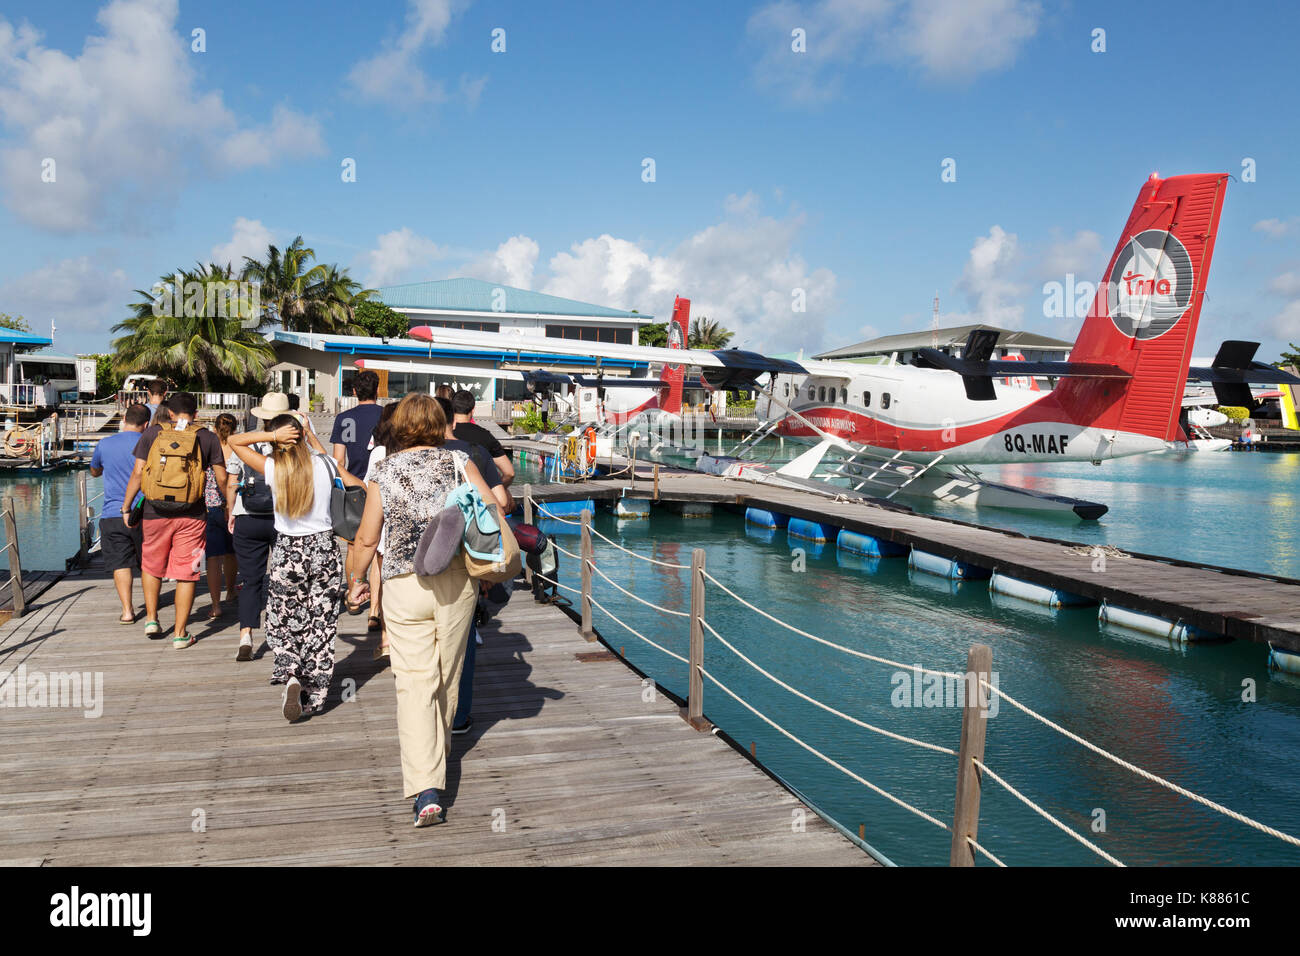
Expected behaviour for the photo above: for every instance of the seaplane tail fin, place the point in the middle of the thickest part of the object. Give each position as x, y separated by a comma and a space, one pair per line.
679, 330
1144, 316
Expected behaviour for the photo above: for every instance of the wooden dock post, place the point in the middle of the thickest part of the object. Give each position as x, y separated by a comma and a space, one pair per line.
15, 564
83, 518
587, 631
695, 680
974, 727
656, 497
528, 519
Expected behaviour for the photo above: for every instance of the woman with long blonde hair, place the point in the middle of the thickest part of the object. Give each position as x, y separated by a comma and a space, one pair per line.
305, 590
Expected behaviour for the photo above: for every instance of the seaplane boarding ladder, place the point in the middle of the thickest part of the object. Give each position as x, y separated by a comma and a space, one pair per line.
761, 431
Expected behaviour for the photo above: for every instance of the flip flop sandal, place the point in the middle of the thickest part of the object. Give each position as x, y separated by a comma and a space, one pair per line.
185, 640
123, 620
152, 630
374, 624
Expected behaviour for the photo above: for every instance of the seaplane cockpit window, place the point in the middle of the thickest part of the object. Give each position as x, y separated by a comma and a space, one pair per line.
884, 399
866, 399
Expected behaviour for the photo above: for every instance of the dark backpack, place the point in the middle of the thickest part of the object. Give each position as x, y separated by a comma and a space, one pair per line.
255, 492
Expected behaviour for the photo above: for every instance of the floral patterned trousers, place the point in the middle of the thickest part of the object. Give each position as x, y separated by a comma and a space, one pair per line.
303, 601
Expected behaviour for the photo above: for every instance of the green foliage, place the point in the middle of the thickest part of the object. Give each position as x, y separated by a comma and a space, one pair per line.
208, 350
1235, 413
655, 334
15, 322
108, 380
531, 422
379, 321
1291, 356
707, 334
303, 297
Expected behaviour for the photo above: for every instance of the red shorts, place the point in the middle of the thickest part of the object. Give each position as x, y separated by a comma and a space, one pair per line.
174, 547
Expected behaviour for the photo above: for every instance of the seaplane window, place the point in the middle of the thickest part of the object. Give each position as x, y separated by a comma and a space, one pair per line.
866, 399
812, 393
821, 394
884, 399
844, 396
787, 389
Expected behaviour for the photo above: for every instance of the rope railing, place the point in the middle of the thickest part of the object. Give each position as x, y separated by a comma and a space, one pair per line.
971, 764
1145, 774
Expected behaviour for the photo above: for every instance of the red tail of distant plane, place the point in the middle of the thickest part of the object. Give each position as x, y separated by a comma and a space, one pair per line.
679, 330
1145, 314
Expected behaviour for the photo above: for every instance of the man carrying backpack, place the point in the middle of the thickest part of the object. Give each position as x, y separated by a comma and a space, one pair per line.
172, 459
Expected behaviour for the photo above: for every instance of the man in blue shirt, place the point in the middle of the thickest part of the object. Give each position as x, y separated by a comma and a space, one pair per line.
354, 428
121, 545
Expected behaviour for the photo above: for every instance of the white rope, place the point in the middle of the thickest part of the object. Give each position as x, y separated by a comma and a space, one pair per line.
539, 574
817, 753
831, 644
1145, 774
1047, 816
629, 627
830, 710
642, 557
565, 551
634, 597
662, 564
986, 853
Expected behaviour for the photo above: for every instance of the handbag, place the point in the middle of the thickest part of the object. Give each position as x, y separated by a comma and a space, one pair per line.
490, 548
347, 505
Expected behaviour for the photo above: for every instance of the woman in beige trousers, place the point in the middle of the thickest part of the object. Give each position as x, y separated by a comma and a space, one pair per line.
427, 617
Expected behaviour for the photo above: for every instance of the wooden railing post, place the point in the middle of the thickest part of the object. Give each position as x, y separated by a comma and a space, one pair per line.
695, 679
83, 518
15, 564
656, 497
587, 631
974, 726
528, 519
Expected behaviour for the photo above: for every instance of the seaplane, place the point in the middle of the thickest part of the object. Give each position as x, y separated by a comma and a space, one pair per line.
887, 430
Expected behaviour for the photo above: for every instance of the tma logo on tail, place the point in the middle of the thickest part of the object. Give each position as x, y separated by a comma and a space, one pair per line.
1151, 285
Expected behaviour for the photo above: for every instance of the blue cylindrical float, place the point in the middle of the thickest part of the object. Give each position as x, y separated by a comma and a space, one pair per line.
1153, 624
944, 567
810, 530
857, 543
566, 509
629, 507
765, 519
1037, 593
1280, 659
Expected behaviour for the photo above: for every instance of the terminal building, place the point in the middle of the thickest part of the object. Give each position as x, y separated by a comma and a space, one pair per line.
323, 365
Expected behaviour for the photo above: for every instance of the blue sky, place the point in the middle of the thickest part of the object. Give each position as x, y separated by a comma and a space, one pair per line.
774, 170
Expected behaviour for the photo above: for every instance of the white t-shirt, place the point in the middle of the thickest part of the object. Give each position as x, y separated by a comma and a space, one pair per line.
318, 518
377, 454
235, 468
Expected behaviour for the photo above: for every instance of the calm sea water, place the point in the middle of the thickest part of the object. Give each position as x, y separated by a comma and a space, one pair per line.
1177, 711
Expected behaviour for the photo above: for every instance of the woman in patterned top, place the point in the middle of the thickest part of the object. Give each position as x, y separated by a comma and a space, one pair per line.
427, 618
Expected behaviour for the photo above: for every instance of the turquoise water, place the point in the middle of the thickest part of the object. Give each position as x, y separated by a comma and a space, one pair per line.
1177, 711
45, 510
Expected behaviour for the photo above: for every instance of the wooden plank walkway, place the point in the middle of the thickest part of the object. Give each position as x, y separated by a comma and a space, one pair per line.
1240, 604
192, 763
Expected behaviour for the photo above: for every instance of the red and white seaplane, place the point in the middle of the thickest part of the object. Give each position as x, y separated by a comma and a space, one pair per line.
917, 429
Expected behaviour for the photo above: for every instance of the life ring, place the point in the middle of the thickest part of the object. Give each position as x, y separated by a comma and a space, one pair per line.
590, 435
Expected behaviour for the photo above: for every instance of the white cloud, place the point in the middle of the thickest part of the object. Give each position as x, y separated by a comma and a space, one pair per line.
742, 272
393, 74
1080, 255
1286, 323
1274, 228
1287, 284
123, 121
248, 238
400, 256
511, 263
947, 40
82, 295
990, 281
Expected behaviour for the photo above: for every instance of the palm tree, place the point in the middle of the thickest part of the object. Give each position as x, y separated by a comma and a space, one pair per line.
707, 334
303, 297
194, 330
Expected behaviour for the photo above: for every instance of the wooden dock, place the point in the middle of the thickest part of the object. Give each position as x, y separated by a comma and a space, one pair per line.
191, 762
1239, 604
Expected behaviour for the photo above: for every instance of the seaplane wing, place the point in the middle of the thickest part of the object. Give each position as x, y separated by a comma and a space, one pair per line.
720, 368
538, 376
1234, 370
